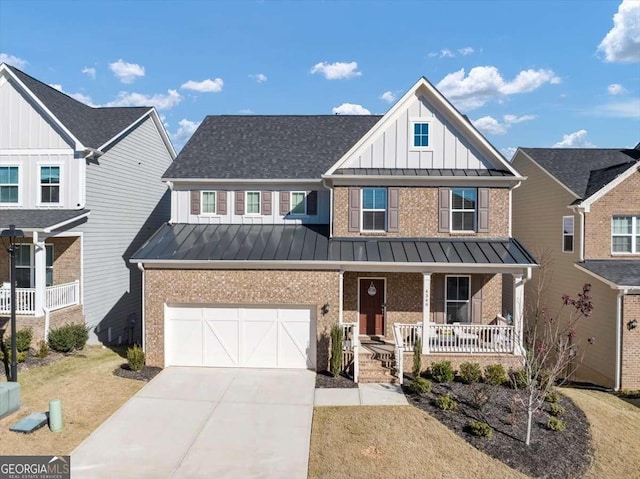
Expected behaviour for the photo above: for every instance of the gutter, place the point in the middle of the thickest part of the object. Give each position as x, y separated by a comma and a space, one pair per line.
330, 207
619, 302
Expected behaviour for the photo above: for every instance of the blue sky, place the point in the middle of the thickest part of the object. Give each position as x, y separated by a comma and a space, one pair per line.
538, 73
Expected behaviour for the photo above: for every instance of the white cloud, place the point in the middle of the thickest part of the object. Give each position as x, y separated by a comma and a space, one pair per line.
618, 109
616, 89
485, 83
508, 152
90, 71
12, 60
466, 51
185, 129
446, 53
513, 119
388, 96
622, 43
246, 111
433, 54
204, 86
577, 139
491, 126
57, 86
159, 100
259, 77
337, 71
126, 72
350, 109
81, 97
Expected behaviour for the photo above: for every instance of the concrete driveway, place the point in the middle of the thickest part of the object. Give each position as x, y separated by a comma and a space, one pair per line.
206, 423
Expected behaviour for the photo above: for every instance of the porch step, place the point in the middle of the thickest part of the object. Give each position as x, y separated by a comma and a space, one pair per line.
376, 367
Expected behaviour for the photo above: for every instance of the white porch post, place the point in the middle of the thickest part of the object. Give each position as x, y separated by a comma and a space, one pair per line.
426, 292
40, 264
341, 296
518, 310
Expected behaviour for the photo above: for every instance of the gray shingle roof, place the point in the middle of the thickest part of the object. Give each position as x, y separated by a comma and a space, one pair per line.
36, 219
420, 172
190, 242
92, 126
268, 147
620, 272
584, 170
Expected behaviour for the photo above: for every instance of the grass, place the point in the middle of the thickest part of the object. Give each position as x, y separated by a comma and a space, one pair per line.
402, 441
89, 391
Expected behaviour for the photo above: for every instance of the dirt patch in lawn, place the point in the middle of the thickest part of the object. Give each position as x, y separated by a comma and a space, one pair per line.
325, 380
89, 391
393, 442
553, 455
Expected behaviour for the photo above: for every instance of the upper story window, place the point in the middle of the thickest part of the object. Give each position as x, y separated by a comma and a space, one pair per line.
421, 135
567, 234
8, 184
374, 209
208, 202
50, 184
463, 209
625, 234
252, 202
298, 203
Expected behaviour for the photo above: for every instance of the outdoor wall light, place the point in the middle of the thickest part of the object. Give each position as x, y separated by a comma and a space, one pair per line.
633, 324
372, 289
325, 309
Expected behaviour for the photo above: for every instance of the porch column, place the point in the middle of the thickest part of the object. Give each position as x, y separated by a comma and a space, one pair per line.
40, 265
341, 295
518, 309
426, 292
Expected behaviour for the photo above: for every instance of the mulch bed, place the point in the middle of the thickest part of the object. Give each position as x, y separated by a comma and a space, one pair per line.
565, 454
325, 380
146, 374
32, 362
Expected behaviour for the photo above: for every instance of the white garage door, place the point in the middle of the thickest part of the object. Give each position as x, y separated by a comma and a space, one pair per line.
268, 337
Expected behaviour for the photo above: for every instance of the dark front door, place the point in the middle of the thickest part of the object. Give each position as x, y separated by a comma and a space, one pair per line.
372, 307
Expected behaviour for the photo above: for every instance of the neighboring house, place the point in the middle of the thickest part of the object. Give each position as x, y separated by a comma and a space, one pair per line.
579, 210
283, 226
83, 184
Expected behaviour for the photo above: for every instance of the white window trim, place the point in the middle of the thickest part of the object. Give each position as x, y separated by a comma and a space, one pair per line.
32, 262
412, 122
446, 298
362, 210
451, 210
246, 203
573, 234
60, 190
215, 203
20, 184
635, 238
304, 202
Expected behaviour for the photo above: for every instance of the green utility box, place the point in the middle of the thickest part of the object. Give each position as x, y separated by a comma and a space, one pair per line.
9, 398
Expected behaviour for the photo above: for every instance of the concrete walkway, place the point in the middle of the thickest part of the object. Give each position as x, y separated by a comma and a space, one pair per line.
363, 395
206, 423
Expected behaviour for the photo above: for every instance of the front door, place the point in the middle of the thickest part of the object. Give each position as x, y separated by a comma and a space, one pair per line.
372, 307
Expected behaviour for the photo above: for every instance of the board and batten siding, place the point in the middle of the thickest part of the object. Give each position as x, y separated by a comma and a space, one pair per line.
128, 202
538, 207
392, 146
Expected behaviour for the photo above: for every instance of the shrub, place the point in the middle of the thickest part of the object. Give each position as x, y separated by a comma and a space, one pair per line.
480, 429
446, 403
442, 372
420, 386
43, 349
552, 397
417, 358
336, 350
480, 396
23, 339
80, 335
22, 355
629, 393
555, 424
518, 378
556, 410
495, 374
135, 358
470, 372
68, 337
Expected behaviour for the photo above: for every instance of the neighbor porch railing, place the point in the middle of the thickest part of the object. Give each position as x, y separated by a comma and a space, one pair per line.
25, 301
470, 338
62, 295
351, 346
56, 297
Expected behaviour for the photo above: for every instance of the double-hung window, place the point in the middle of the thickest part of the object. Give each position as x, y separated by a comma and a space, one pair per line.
458, 299
374, 209
25, 266
463, 209
625, 234
420, 135
567, 234
298, 203
253, 203
50, 184
208, 202
8, 184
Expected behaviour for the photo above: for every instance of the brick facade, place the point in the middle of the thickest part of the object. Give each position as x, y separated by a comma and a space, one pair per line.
507, 360
72, 315
624, 199
418, 214
630, 367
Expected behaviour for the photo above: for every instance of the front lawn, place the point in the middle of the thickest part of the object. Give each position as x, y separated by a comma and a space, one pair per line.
89, 391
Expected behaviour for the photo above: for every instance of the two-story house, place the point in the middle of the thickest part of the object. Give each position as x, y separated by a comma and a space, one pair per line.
83, 184
283, 226
579, 211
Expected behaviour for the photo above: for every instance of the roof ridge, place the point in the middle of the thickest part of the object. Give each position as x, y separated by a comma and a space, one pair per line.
315, 115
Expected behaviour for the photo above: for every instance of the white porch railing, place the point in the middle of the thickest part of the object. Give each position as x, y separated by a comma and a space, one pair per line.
405, 335
351, 346
62, 295
56, 297
25, 301
470, 338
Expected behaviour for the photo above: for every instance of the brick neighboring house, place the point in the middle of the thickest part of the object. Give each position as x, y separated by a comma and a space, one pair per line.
83, 184
580, 208
283, 226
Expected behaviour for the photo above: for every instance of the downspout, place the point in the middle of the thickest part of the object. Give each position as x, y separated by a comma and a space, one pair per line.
582, 235
330, 207
621, 294
172, 217
144, 333
517, 185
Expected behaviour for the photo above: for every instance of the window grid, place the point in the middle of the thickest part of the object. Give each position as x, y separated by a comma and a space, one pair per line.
298, 203
50, 184
25, 266
9, 184
458, 299
374, 209
208, 202
463, 209
253, 203
420, 135
625, 234
567, 234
